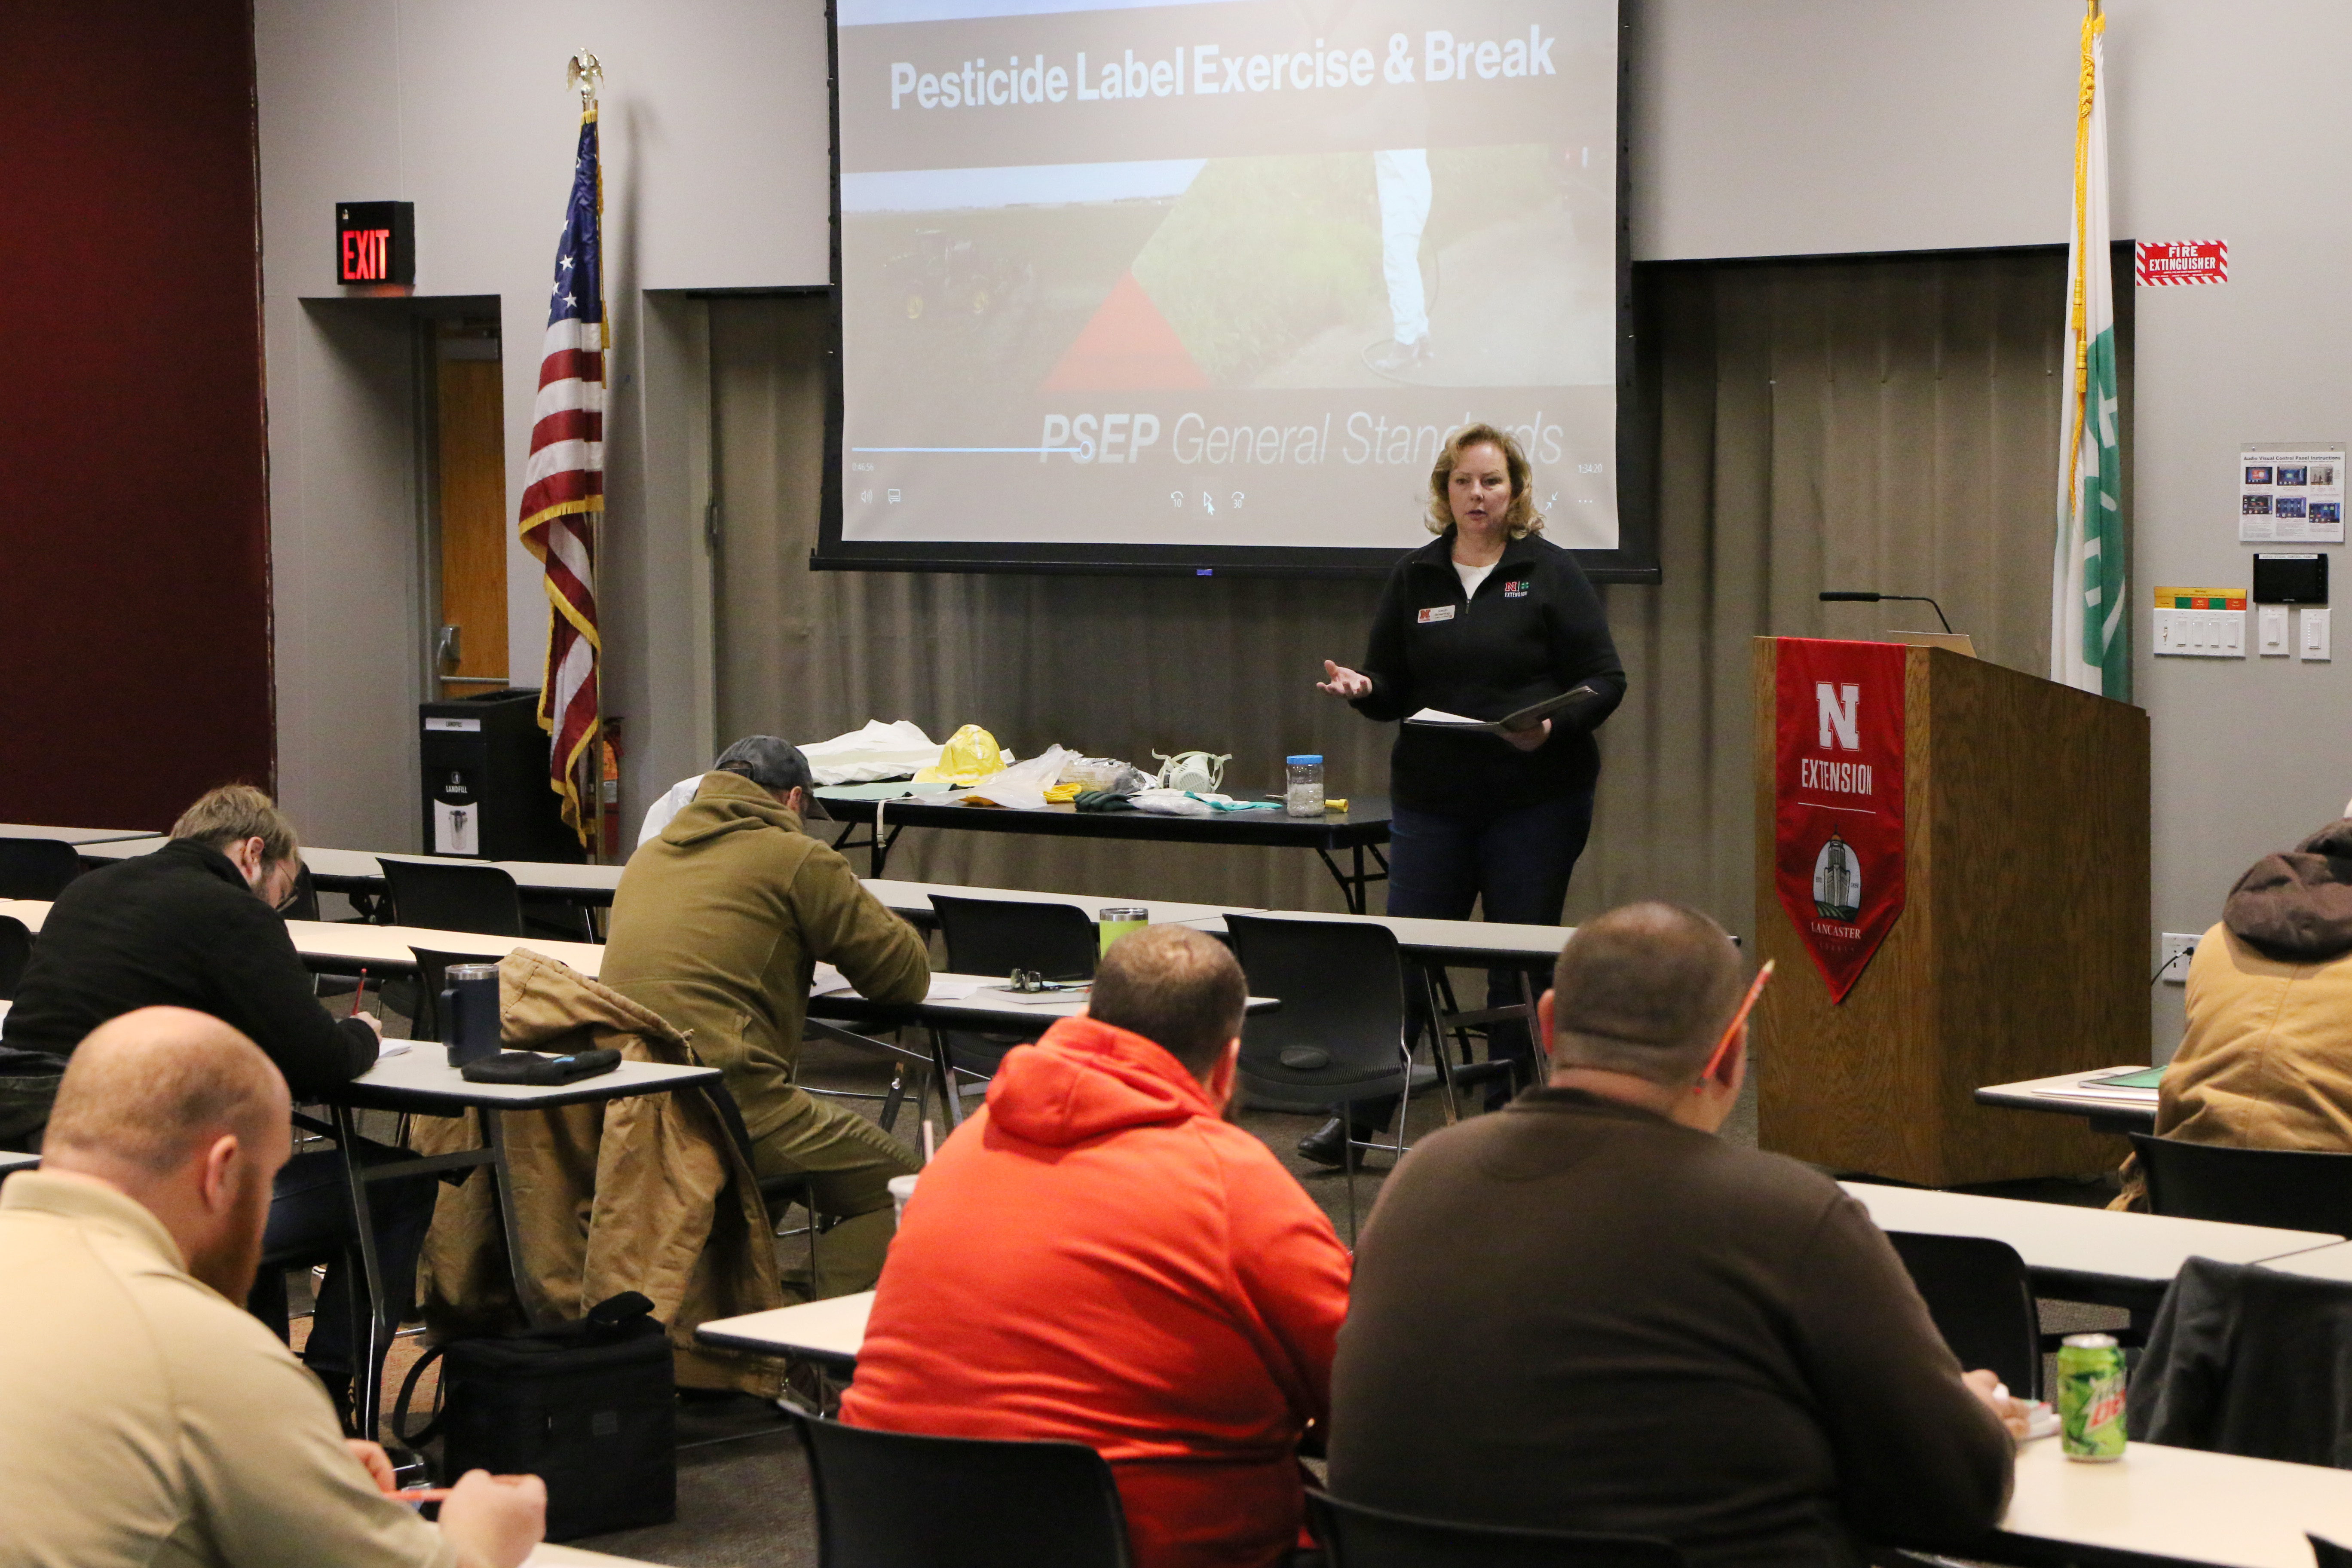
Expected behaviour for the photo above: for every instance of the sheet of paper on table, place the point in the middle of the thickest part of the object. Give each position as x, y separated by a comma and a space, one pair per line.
390, 1048
829, 980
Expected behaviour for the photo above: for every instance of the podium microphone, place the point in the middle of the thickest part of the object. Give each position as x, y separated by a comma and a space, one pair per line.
1834, 597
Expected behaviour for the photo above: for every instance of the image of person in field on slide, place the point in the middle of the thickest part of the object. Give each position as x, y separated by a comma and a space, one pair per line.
1402, 180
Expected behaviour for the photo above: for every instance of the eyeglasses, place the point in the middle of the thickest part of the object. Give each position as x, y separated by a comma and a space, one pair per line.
1731, 1030
1029, 981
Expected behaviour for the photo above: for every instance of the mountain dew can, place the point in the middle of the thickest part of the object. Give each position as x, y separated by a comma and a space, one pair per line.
2091, 1398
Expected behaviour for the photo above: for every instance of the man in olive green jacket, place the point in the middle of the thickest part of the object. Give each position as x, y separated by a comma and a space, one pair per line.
718, 926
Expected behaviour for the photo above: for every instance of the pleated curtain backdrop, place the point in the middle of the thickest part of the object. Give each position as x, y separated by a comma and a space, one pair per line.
1888, 424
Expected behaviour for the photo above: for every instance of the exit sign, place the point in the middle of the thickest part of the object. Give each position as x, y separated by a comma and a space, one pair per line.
376, 242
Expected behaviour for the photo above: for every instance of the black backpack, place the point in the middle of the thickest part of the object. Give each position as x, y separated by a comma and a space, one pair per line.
589, 1407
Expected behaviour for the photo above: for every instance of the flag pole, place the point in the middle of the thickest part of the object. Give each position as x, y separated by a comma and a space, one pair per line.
585, 74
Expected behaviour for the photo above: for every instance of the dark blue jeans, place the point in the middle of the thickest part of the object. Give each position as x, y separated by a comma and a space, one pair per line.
310, 1211
1514, 866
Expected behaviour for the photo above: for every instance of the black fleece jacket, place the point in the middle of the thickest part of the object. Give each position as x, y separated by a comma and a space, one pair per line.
1533, 631
180, 929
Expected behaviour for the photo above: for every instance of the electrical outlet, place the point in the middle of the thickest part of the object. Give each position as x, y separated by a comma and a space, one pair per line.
2180, 946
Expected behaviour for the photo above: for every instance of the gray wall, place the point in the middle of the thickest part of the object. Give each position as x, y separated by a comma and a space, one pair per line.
1761, 127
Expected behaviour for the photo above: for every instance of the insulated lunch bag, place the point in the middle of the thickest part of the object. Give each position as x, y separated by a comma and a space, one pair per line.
589, 1407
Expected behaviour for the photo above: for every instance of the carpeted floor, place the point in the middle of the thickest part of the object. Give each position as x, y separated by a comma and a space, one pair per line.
743, 1498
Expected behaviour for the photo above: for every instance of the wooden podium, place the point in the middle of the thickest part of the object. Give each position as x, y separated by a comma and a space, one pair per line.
2021, 951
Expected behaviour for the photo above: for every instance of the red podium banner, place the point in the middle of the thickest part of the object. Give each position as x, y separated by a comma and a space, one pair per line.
1837, 798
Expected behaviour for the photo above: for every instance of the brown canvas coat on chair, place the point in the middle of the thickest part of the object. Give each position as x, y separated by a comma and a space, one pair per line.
641, 1193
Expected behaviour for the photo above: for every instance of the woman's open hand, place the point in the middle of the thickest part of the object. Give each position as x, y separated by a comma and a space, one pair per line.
1344, 682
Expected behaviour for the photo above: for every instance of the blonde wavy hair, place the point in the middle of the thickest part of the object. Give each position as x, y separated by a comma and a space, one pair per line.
1520, 518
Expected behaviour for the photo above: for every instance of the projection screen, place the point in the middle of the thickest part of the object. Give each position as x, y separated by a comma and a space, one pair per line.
1202, 286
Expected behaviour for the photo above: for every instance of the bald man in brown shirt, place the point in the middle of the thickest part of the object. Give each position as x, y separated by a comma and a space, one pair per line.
151, 1422
1588, 1312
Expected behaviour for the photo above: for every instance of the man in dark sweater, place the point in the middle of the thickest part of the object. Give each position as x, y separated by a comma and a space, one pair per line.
196, 925
1646, 1330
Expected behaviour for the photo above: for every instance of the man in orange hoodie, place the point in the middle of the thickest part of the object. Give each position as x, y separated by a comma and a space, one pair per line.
1099, 1258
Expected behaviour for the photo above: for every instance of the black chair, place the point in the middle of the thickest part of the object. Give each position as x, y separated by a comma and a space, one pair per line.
452, 896
16, 950
2293, 1189
778, 1193
1977, 1290
1354, 1536
303, 904
37, 868
893, 1500
996, 936
1339, 1037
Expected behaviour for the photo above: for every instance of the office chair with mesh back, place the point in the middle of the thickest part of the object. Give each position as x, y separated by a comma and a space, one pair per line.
1339, 1037
1354, 1536
37, 868
893, 1499
16, 950
452, 895
996, 936
2293, 1189
1977, 1292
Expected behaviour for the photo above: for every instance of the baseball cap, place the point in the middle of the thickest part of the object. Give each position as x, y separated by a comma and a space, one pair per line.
775, 765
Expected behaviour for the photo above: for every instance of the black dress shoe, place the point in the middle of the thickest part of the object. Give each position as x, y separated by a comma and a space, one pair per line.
1328, 1144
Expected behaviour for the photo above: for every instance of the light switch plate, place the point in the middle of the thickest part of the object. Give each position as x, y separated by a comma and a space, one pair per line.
2315, 635
2273, 639
2201, 633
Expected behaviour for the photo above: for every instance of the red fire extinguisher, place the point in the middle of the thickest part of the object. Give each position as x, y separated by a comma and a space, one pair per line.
610, 806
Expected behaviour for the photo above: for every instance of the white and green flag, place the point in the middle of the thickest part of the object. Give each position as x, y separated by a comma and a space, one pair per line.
2090, 623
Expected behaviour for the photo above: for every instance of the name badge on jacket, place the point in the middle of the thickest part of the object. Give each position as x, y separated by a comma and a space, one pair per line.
1438, 613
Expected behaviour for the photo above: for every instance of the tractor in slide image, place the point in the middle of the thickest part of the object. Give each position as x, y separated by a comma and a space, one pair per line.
946, 276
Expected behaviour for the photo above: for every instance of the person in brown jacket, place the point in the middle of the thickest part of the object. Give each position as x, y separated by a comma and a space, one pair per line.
1588, 1312
2267, 1062
718, 927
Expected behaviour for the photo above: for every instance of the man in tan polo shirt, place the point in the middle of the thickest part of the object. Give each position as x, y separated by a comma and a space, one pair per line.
151, 1420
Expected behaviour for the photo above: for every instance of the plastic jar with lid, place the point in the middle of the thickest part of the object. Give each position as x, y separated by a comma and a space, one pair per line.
1303, 796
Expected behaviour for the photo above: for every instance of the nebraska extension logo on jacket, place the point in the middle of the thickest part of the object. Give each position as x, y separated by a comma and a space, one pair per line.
1100, 1257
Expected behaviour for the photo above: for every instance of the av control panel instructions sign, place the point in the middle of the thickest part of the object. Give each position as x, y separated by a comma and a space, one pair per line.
2291, 495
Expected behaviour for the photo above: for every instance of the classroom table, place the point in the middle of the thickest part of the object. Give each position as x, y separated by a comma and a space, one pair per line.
830, 1332
1363, 825
2162, 1507
74, 836
2320, 1263
553, 1554
2061, 1096
343, 947
361, 871
2083, 1254
2157, 1506
954, 1002
912, 900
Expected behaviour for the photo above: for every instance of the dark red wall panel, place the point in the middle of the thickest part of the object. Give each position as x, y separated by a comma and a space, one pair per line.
134, 554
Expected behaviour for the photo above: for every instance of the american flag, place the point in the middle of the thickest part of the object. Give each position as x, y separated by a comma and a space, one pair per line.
563, 489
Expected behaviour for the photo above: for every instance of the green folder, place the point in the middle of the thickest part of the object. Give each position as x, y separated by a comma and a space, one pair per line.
2140, 1078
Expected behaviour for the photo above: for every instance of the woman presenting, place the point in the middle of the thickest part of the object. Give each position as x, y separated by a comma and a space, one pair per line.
1485, 620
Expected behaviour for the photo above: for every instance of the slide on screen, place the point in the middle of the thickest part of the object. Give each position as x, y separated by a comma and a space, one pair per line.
1221, 275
